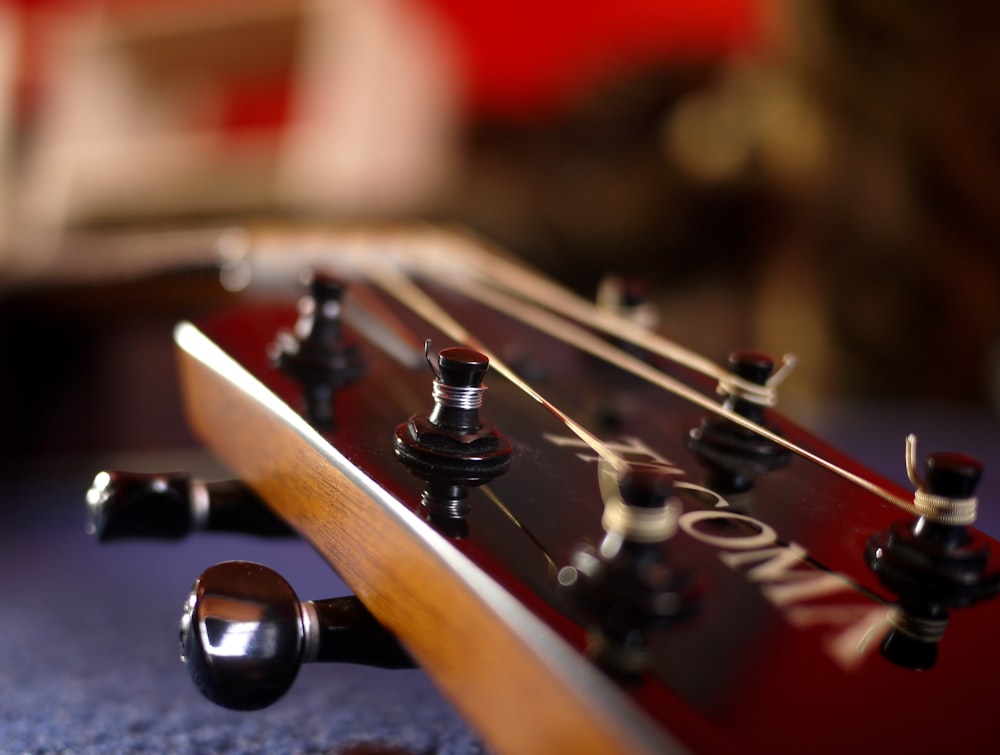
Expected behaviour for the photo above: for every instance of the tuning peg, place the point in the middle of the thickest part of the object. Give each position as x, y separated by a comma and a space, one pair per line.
244, 634
169, 506
317, 354
937, 554
934, 563
733, 455
451, 448
451, 442
627, 585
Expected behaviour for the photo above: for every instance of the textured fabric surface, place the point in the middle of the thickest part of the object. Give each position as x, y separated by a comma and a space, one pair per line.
89, 654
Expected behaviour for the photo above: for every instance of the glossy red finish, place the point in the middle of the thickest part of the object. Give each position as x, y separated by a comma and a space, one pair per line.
764, 664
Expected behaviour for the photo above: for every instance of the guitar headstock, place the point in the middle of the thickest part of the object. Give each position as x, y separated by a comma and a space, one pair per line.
587, 546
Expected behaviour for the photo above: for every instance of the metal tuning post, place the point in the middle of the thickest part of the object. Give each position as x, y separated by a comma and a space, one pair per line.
935, 562
317, 354
451, 448
626, 586
733, 455
244, 634
123, 505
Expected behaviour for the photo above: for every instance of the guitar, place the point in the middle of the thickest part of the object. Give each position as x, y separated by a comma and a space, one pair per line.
616, 546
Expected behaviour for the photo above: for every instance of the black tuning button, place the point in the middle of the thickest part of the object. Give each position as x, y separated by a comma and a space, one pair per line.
953, 477
626, 586
244, 634
733, 455
123, 505
936, 553
935, 562
451, 448
317, 354
452, 438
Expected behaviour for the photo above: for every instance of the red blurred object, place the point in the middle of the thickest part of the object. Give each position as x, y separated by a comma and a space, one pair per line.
255, 104
522, 57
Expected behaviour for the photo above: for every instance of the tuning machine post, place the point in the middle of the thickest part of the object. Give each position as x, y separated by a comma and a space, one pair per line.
734, 455
451, 448
626, 586
317, 354
934, 563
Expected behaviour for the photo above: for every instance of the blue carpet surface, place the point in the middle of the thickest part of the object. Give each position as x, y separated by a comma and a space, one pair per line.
89, 656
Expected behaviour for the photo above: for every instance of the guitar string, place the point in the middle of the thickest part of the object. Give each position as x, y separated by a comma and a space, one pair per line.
495, 500
394, 282
496, 271
576, 336
437, 252
429, 250
524, 285
367, 313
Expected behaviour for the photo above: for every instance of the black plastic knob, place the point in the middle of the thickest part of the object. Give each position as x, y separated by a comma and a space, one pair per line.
319, 326
752, 366
645, 487
123, 505
952, 475
244, 634
461, 367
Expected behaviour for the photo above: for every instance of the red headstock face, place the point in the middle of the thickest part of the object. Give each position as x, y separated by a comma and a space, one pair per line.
784, 637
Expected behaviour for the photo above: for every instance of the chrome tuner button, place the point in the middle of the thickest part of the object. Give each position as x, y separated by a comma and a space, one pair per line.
124, 505
244, 634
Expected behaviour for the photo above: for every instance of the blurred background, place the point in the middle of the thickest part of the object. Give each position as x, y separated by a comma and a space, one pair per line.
820, 178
